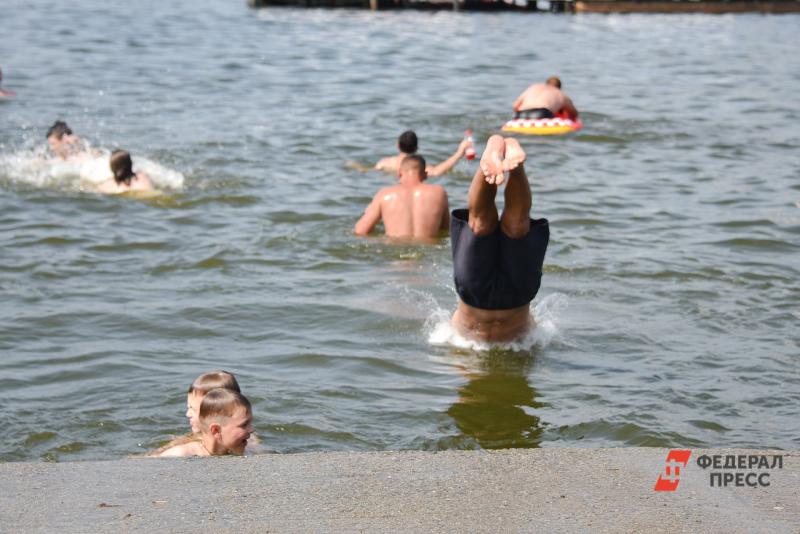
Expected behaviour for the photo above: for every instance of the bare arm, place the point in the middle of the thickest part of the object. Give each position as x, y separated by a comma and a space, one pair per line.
569, 108
359, 167
371, 217
518, 102
387, 164
446, 215
521, 98
446, 165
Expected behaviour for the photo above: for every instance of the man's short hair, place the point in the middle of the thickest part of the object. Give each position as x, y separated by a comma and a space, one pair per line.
407, 142
416, 161
59, 129
555, 81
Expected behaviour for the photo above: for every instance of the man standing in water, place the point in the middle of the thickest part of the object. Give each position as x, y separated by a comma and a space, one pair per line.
410, 209
544, 101
497, 261
407, 144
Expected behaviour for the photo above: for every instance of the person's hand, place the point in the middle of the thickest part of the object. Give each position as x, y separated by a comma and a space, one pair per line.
462, 146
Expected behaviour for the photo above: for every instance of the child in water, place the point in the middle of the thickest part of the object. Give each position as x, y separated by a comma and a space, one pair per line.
194, 397
200, 387
225, 420
124, 179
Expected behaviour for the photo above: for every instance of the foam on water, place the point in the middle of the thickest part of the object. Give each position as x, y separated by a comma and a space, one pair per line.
34, 167
546, 314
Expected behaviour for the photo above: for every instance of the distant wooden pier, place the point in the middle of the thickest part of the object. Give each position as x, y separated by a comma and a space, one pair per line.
556, 6
685, 6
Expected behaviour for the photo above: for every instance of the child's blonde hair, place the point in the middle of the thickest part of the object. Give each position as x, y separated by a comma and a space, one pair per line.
222, 403
213, 380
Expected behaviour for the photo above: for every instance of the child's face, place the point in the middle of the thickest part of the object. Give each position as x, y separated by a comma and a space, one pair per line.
193, 401
235, 431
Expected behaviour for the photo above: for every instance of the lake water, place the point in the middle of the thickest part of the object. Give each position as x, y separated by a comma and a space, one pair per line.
670, 303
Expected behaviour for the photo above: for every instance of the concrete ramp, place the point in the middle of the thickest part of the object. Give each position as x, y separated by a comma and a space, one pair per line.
541, 490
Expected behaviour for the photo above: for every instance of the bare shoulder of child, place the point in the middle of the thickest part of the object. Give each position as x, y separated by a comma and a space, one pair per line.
194, 448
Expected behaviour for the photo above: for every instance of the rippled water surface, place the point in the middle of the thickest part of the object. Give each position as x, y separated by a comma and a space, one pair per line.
669, 305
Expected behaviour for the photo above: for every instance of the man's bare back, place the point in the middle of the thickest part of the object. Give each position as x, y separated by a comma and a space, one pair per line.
546, 96
411, 208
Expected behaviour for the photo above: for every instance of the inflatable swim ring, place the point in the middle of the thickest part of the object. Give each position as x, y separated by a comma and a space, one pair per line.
554, 126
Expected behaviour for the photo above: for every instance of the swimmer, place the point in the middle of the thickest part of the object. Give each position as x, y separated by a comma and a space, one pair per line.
410, 209
407, 144
497, 261
226, 422
5, 93
62, 142
124, 179
544, 101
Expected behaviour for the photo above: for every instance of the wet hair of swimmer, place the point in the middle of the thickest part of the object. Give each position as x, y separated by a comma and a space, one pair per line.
213, 380
407, 142
59, 129
555, 81
122, 166
417, 162
223, 403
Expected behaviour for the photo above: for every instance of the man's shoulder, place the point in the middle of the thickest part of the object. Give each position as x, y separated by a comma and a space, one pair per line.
434, 188
432, 191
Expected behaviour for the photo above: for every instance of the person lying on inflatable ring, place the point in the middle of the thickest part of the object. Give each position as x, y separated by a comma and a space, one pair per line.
544, 101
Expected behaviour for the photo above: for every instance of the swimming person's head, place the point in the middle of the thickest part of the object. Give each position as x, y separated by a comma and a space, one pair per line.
226, 421
121, 166
554, 81
59, 135
201, 386
58, 130
407, 142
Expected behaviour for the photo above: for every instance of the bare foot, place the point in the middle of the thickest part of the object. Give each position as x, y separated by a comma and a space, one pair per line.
514, 155
492, 160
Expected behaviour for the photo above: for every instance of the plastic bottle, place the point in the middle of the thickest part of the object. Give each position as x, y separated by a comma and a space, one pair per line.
469, 153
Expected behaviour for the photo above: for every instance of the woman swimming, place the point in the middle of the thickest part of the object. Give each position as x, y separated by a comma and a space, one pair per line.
124, 179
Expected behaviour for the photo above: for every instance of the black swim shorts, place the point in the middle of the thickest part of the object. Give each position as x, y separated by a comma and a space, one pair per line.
494, 271
534, 113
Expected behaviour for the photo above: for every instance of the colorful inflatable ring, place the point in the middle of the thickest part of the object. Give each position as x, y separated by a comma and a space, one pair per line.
555, 126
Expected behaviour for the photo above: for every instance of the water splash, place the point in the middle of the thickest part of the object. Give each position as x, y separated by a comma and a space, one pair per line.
546, 314
35, 167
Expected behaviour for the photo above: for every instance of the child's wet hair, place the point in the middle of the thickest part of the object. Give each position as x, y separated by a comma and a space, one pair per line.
221, 402
213, 380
